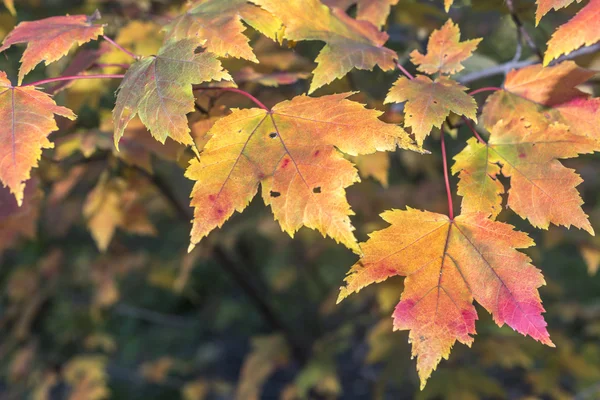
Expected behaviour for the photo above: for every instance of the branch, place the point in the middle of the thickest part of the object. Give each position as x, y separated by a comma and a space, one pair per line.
503, 69
522, 32
239, 275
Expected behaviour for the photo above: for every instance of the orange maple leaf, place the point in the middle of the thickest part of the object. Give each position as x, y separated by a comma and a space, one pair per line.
582, 30
448, 264
290, 151
349, 43
219, 23
428, 102
28, 119
445, 51
50, 39
159, 90
526, 149
551, 91
544, 6
374, 11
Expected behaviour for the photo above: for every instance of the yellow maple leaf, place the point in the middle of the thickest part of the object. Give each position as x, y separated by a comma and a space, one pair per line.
349, 43
428, 102
445, 51
219, 23
290, 151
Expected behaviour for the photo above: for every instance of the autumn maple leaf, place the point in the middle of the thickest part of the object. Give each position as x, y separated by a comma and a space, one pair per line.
448, 264
429, 103
219, 23
445, 51
527, 150
28, 119
349, 43
374, 11
551, 91
581, 30
51, 38
290, 151
159, 90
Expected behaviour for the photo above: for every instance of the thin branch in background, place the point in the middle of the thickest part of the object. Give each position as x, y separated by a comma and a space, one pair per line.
523, 32
503, 69
242, 279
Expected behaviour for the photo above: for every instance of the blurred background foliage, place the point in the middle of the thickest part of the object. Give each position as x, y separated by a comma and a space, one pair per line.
100, 298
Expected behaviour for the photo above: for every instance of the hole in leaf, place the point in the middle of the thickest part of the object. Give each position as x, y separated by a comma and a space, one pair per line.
273, 135
317, 189
274, 194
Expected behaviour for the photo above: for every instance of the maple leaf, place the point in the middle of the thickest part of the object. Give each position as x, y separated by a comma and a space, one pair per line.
159, 90
349, 43
551, 91
290, 151
113, 204
428, 102
219, 22
581, 30
448, 264
50, 39
544, 6
527, 150
28, 116
374, 11
445, 51
10, 6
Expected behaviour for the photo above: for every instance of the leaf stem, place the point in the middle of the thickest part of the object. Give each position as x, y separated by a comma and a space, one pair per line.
484, 89
446, 178
468, 124
104, 65
118, 46
74, 77
238, 91
404, 71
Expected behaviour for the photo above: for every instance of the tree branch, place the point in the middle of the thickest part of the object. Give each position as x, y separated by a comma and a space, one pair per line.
503, 69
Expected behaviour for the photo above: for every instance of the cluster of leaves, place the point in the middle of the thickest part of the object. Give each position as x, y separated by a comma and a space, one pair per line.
299, 151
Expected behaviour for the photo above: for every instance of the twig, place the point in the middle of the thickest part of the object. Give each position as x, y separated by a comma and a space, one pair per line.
523, 32
153, 316
238, 274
